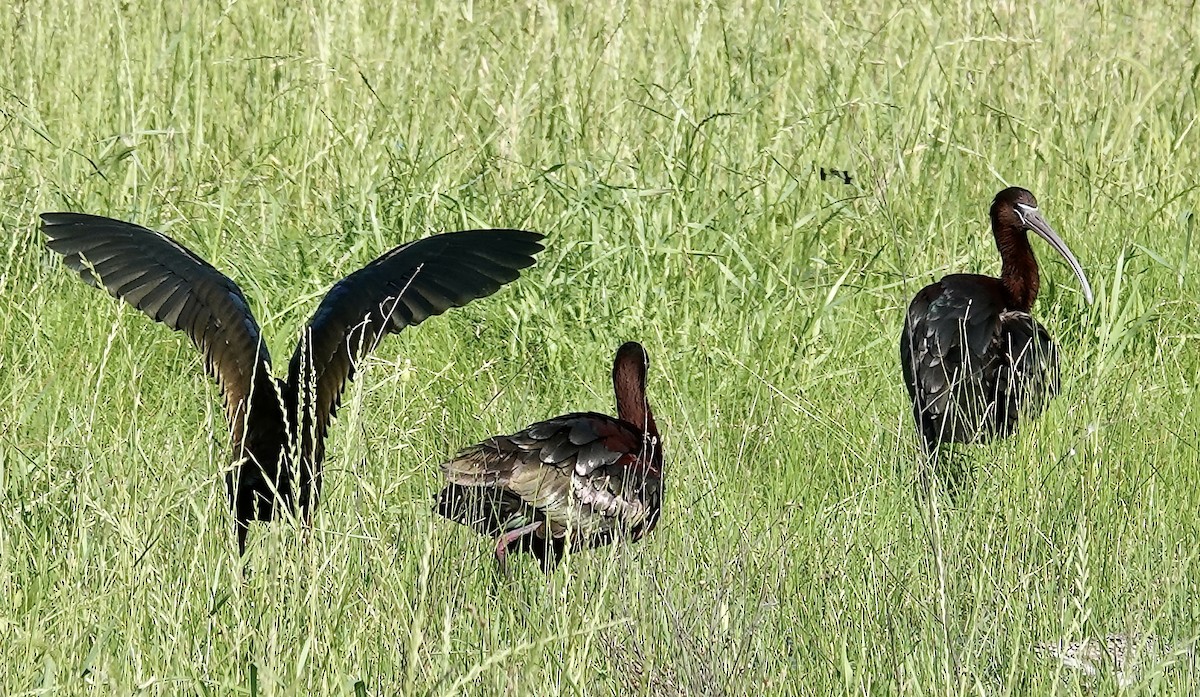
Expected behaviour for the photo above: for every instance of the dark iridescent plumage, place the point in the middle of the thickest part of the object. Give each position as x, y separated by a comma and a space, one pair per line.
973, 357
579, 479
276, 463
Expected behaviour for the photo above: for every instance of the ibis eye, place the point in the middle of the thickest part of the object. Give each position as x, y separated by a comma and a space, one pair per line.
1023, 208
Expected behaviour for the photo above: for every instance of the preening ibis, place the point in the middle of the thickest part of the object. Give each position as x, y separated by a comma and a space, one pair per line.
580, 479
973, 358
278, 427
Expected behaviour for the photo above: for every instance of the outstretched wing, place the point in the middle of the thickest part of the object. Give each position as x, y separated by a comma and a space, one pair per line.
404, 287
172, 285
585, 471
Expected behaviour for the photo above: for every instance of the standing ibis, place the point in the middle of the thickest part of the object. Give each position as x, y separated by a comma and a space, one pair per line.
580, 479
278, 427
973, 358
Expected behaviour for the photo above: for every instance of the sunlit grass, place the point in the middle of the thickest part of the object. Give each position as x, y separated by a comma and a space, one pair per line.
672, 152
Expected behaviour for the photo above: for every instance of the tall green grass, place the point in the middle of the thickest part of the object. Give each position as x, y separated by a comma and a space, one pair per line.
672, 153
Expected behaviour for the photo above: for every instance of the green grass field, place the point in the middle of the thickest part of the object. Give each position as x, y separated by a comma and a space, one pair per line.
672, 154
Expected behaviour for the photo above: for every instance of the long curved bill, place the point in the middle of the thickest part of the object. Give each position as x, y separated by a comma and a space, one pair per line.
1033, 218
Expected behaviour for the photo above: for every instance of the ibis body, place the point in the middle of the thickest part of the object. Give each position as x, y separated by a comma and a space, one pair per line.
974, 358
581, 479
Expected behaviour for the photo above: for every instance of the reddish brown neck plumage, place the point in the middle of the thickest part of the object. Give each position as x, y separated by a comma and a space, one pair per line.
1019, 270
629, 383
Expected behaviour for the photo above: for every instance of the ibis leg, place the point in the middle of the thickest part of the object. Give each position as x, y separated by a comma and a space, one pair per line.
507, 538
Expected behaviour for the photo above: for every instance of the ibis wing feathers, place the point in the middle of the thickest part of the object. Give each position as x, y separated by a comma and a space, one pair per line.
401, 288
174, 286
948, 330
969, 365
577, 471
488, 511
1028, 371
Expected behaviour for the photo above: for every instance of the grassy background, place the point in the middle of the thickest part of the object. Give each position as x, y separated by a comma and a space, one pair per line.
672, 153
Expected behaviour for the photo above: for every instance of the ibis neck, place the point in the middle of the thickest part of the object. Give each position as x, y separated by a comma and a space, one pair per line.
629, 382
1019, 272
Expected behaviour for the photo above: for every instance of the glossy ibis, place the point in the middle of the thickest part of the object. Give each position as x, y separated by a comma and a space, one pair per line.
278, 427
973, 358
580, 479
